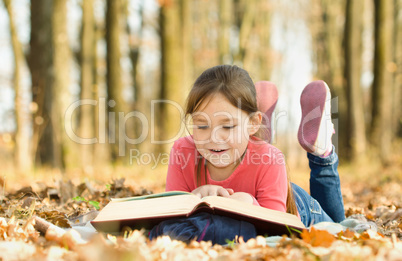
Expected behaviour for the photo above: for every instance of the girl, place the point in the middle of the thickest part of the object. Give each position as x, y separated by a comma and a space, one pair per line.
224, 156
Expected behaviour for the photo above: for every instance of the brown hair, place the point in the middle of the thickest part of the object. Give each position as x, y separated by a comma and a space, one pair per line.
236, 85
231, 81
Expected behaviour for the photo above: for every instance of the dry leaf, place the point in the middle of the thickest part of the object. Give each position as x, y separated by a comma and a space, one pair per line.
316, 237
347, 234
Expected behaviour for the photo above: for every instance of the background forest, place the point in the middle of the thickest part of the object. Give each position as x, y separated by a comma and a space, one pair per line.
101, 83
91, 100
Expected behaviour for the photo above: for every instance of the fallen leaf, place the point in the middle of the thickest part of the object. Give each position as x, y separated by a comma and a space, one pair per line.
347, 234
316, 237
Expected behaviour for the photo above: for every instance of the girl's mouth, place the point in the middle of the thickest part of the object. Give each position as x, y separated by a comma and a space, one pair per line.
217, 151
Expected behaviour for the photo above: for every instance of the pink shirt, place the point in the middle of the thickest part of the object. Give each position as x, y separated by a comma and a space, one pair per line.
262, 172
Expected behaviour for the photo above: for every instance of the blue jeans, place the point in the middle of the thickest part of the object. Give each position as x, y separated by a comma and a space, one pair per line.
204, 227
325, 202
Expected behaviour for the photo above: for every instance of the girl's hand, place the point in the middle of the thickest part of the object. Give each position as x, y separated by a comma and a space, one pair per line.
212, 190
242, 196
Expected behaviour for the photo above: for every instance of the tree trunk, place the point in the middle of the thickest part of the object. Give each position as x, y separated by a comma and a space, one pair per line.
140, 103
246, 25
64, 146
333, 35
186, 50
265, 57
172, 86
333, 40
397, 110
204, 33
114, 79
328, 57
87, 113
40, 65
225, 23
23, 159
353, 42
316, 28
381, 131
102, 157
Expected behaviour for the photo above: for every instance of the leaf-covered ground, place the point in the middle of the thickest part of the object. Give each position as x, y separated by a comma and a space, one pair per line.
63, 202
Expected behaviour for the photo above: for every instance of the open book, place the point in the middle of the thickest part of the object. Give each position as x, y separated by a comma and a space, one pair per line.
147, 211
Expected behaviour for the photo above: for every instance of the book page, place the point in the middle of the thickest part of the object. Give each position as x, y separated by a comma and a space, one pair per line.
157, 195
153, 207
247, 209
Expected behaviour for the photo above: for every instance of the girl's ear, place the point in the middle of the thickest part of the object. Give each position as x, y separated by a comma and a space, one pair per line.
255, 123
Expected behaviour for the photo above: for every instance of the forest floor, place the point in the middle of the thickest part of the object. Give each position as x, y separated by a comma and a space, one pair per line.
370, 191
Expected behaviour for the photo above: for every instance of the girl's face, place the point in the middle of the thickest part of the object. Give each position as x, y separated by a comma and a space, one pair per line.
221, 131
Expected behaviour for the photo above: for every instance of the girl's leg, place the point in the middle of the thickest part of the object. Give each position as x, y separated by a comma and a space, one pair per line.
315, 133
325, 185
309, 209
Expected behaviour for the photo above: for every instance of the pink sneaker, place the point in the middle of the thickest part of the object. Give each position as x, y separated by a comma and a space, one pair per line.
267, 97
316, 128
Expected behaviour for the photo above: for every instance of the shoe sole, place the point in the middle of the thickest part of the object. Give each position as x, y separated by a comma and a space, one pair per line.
312, 101
267, 97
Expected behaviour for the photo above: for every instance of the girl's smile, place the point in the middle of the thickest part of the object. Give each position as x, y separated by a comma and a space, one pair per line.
217, 150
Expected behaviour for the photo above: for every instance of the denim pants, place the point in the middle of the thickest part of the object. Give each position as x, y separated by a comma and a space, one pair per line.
325, 202
204, 227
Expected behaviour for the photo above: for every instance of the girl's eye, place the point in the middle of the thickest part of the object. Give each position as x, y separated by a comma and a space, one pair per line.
202, 127
229, 127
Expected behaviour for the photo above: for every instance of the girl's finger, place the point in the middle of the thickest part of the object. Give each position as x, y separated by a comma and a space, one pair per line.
198, 194
223, 192
230, 191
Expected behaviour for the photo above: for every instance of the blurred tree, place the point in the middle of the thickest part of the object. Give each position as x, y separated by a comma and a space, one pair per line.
134, 45
382, 91
353, 51
44, 144
87, 64
263, 23
23, 157
186, 41
61, 99
397, 110
101, 149
327, 30
245, 13
225, 24
206, 33
173, 94
333, 11
253, 22
116, 102
49, 61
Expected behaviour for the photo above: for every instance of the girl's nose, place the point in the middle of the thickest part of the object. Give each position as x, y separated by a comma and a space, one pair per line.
218, 136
